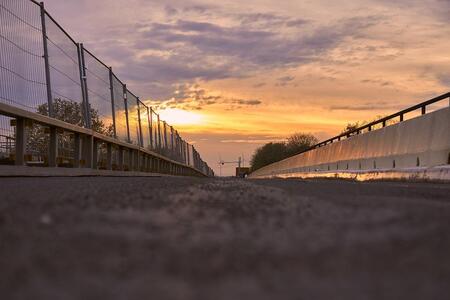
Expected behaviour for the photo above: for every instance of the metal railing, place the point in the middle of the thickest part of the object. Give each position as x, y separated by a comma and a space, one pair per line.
383, 121
44, 71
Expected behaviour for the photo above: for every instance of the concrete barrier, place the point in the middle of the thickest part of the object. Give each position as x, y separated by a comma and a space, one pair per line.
421, 142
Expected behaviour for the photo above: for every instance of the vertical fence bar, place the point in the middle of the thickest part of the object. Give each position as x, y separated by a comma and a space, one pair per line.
109, 156
140, 137
111, 87
188, 155
125, 97
53, 147
77, 149
150, 125
87, 150
120, 164
83, 90
166, 141
20, 142
95, 154
159, 133
172, 142
87, 106
47, 62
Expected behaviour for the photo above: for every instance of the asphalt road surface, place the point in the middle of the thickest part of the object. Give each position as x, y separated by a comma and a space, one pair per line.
183, 238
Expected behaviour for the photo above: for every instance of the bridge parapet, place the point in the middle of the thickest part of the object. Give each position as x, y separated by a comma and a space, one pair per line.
414, 146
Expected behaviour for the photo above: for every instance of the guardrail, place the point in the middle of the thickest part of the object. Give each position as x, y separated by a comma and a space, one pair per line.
398, 145
383, 121
68, 108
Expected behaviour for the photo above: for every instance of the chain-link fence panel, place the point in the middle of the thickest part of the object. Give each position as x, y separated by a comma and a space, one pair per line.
145, 125
120, 109
7, 141
22, 66
133, 118
99, 94
65, 79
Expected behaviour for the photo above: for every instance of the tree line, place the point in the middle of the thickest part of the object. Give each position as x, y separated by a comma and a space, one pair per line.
295, 144
273, 152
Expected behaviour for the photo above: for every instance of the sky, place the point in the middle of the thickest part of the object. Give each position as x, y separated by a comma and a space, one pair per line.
234, 75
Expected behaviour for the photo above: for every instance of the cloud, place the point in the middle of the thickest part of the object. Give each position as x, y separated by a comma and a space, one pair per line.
258, 85
246, 102
378, 82
170, 11
285, 80
193, 97
187, 51
252, 141
382, 105
444, 79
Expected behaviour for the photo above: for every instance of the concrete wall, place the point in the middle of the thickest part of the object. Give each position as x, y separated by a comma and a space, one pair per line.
420, 142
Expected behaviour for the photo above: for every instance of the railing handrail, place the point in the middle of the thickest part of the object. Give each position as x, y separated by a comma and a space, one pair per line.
44, 19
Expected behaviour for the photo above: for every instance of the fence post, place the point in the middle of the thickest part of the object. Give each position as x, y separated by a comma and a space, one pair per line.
87, 107
109, 156
125, 99
20, 142
159, 134
77, 156
140, 137
53, 147
188, 160
113, 108
120, 163
172, 142
95, 153
150, 127
47, 63
87, 150
165, 134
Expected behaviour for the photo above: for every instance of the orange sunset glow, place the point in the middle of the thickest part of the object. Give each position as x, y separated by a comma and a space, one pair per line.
233, 76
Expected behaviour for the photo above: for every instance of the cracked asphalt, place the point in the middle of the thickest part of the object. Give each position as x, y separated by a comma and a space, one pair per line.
187, 238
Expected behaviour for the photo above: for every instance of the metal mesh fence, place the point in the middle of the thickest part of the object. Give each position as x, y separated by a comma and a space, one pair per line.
7, 140
38, 140
154, 130
99, 94
133, 118
164, 137
66, 149
120, 110
145, 126
169, 132
43, 70
22, 74
65, 81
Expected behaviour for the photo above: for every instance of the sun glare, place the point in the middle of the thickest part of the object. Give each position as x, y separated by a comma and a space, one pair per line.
175, 116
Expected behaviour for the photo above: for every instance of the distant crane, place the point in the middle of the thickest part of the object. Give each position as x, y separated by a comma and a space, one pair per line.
222, 163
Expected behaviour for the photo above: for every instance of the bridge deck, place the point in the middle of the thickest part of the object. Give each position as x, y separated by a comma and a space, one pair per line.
191, 238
